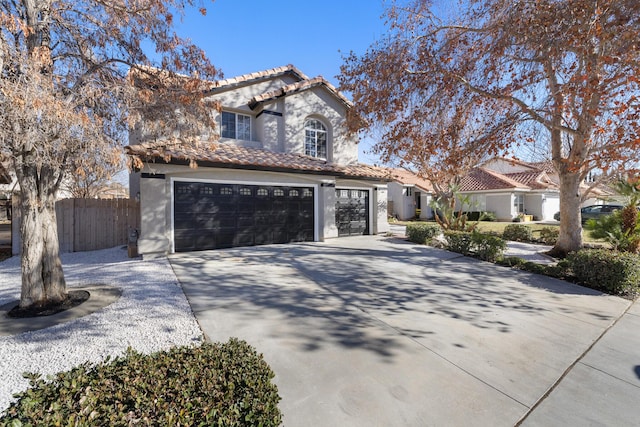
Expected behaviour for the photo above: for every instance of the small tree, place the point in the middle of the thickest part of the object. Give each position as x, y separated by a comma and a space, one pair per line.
446, 214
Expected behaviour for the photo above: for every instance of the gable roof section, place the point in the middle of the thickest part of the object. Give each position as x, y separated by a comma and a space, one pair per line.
482, 179
546, 165
406, 177
258, 76
236, 157
536, 180
303, 83
298, 87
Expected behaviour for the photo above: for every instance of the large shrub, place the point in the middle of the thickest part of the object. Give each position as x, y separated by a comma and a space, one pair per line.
458, 241
422, 232
610, 271
484, 246
517, 232
487, 247
214, 384
549, 235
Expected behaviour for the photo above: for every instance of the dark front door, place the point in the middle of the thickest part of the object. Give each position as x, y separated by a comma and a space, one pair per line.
352, 212
214, 215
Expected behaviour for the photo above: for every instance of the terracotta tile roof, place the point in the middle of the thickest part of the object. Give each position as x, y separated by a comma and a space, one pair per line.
297, 87
537, 180
546, 166
406, 177
231, 155
258, 76
480, 179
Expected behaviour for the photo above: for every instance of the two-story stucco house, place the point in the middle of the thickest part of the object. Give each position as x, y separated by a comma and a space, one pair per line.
283, 170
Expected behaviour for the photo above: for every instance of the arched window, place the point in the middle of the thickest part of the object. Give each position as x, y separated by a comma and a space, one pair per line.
315, 139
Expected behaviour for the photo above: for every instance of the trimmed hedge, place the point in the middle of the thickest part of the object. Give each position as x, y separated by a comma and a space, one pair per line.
458, 241
487, 247
613, 272
549, 235
518, 233
422, 232
213, 384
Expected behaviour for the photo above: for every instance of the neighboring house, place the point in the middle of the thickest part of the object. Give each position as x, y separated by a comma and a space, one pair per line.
409, 195
509, 189
598, 195
285, 169
113, 190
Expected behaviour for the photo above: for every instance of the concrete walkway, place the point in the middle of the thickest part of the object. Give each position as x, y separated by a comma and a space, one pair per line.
374, 331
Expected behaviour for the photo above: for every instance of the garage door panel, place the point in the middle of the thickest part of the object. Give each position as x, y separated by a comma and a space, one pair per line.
213, 215
352, 212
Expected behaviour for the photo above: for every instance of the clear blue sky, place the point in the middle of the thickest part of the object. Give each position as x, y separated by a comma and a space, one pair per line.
243, 36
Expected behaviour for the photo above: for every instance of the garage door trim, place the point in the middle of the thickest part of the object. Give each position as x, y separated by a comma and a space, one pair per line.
315, 186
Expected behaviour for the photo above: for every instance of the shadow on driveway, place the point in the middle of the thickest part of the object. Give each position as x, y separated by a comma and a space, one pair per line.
377, 331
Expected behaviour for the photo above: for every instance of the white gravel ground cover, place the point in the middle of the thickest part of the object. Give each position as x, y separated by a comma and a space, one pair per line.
151, 315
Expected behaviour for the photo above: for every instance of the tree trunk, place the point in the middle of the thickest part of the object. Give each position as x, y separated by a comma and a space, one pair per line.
570, 238
42, 276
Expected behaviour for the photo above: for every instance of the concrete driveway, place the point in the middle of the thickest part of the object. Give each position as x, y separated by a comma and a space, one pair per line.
375, 331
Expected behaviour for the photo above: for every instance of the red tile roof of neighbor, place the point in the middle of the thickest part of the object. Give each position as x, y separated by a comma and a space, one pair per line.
546, 166
536, 180
233, 156
481, 179
406, 177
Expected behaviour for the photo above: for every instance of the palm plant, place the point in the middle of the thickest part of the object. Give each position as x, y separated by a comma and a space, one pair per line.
622, 228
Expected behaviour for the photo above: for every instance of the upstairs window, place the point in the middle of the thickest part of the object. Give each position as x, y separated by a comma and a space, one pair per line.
236, 126
315, 139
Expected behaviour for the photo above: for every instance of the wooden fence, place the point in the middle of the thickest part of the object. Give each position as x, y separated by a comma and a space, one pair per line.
88, 224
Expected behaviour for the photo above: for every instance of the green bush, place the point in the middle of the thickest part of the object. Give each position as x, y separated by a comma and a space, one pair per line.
488, 216
512, 261
214, 384
613, 272
458, 241
549, 235
611, 229
517, 232
422, 232
487, 247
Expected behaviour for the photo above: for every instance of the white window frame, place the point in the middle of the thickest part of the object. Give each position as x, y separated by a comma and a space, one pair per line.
239, 131
409, 191
516, 205
311, 132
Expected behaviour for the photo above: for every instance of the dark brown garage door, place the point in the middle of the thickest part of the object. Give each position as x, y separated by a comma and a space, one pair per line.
352, 212
214, 216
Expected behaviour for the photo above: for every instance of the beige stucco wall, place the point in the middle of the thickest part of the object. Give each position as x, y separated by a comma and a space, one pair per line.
286, 133
380, 223
404, 207
319, 104
501, 204
155, 217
